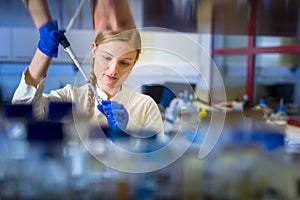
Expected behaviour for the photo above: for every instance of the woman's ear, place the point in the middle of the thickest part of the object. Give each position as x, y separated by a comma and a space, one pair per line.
94, 48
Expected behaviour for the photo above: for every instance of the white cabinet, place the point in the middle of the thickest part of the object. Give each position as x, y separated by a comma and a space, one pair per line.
19, 44
81, 43
5, 47
23, 44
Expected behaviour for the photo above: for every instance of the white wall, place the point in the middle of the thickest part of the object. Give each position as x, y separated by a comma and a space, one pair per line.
173, 56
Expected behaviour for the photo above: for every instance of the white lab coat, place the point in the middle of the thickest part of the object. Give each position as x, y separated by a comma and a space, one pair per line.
142, 110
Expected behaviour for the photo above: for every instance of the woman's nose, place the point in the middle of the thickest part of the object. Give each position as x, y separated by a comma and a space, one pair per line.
113, 67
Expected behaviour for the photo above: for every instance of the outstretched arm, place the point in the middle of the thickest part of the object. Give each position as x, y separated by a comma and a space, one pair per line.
48, 43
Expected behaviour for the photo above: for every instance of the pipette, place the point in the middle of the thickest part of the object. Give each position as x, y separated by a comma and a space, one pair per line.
67, 47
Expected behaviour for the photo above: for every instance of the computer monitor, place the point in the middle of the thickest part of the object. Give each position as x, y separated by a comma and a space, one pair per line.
164, 93
153, 90
173, 89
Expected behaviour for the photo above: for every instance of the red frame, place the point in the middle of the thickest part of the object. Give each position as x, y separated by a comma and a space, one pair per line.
251, 50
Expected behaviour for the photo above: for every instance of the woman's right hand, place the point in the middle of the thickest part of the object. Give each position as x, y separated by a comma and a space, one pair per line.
47, 48
49, 38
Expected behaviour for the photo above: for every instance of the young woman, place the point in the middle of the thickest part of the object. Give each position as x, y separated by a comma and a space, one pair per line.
114, 56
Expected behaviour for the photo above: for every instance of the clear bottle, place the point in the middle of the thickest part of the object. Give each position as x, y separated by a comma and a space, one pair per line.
280, 117
178, 102
188, 112
173, 110
264, 109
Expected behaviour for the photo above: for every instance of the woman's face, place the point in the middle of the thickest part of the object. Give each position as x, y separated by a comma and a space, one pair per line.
114, 61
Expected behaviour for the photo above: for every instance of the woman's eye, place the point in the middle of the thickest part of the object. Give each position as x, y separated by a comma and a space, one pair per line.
106, 58
124, 63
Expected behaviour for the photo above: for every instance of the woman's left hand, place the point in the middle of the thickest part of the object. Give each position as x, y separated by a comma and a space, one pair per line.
116, 114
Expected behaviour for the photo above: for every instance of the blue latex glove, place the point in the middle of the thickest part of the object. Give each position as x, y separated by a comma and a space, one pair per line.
49, 38
115, 113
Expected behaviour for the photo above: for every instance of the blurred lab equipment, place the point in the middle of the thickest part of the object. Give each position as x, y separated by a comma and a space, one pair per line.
59, 110
264, 109
250, 160
280, 117
293, 135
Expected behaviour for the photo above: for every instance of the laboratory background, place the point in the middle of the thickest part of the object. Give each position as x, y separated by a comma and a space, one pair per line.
224, 73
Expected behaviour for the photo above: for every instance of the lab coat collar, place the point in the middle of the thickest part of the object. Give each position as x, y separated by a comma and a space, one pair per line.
104, 96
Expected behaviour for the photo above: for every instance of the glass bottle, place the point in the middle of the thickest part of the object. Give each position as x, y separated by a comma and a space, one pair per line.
280, 117
263, 108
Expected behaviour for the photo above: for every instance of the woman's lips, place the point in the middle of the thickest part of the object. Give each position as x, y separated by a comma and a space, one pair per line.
111, 77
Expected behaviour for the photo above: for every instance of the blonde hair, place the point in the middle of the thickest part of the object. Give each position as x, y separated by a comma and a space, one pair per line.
132, 37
